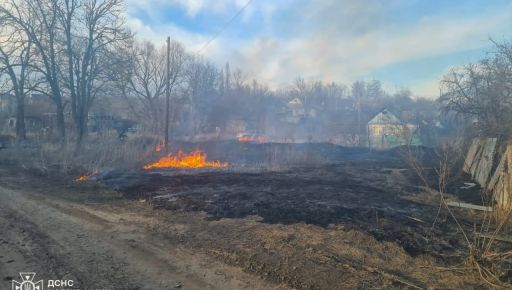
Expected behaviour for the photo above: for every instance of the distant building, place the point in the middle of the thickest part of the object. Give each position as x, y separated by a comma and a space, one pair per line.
32, 124
293, 112
296, 108
386, 130
7, 104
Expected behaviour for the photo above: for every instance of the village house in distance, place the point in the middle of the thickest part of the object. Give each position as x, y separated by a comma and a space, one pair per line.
386, 130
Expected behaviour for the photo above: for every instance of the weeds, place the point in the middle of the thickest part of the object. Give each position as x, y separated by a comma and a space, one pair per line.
95, 153
484, 255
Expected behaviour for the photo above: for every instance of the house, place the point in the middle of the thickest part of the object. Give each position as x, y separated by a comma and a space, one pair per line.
7, 104
33, 124
293, 112
296, 108
386, 130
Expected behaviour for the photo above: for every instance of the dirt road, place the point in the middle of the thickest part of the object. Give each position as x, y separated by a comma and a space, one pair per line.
102, 239
100, 248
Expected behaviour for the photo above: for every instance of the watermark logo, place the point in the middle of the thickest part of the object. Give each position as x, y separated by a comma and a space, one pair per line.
27, 282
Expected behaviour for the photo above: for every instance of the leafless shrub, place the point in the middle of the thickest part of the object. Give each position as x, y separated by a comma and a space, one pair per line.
94, 154
484, 254
480, 93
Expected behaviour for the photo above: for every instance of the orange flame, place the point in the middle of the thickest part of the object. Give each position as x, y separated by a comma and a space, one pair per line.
195, 159
85, 177
82, 178
248, 138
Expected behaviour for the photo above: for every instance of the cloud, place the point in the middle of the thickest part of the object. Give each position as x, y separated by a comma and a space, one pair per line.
427, 89
158, 34
276, 41
335, 53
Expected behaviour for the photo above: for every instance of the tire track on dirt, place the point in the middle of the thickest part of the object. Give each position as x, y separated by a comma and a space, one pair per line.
63, 240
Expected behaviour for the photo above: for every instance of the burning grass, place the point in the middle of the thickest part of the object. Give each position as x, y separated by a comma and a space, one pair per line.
194, 159
82, 178
85, 177
251, 138
342, 187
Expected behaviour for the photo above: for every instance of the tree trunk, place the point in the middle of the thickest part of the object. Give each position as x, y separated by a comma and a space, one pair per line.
61, 127
81, 124
20, 119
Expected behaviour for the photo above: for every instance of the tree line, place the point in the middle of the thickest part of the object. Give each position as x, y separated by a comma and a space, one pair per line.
78, 51
65, 49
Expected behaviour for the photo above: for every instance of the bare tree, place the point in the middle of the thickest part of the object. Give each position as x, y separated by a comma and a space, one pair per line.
15, 54
38, 20
201, 80
92, 30
72, 41
148, 79
482, 93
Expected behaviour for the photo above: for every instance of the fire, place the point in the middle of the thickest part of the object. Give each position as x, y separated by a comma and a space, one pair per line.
249, 138
82, 178
195, 159
85, 177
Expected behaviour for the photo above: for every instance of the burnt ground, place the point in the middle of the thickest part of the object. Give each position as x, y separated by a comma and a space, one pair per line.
355, 187
318, 196
350, 219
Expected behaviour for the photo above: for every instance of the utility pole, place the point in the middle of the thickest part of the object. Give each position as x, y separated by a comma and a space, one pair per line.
359, 120
167, 95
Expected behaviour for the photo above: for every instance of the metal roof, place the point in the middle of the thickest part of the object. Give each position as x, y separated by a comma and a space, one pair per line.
295, 102
385, 118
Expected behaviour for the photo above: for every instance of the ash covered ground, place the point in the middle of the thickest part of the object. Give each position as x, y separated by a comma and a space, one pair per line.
318, 184
281, 216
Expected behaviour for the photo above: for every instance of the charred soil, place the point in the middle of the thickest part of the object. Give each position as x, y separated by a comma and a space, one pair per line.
354, 222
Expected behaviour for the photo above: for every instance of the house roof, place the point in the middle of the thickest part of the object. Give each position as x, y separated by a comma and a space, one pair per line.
295, 102
385, 118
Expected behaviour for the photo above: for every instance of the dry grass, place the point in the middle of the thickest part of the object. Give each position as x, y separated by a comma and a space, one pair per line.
485, 255
95, 153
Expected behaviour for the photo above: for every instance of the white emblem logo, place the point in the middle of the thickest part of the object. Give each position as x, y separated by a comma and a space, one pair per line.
27, 282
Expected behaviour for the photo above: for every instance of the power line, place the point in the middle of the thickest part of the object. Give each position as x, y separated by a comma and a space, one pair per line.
225, 26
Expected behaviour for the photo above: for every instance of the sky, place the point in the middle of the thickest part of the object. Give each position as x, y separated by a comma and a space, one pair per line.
403, 43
